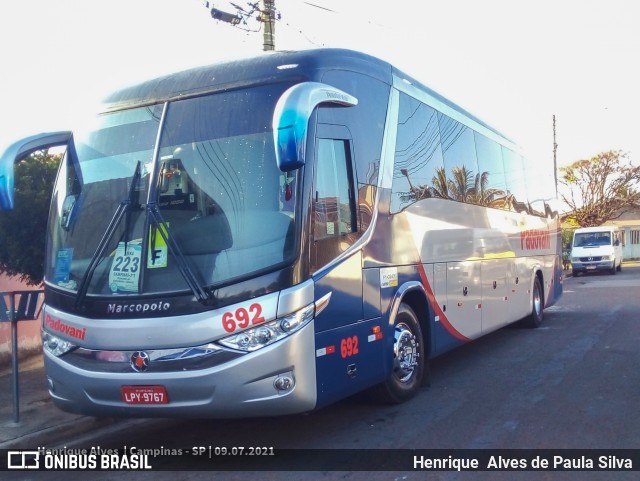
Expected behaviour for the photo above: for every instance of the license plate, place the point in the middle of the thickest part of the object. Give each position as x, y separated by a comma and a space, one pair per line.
590, 268
144, 394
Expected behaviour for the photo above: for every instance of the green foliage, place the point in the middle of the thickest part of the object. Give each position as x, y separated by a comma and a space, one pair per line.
601, 188
567, 238
23, 229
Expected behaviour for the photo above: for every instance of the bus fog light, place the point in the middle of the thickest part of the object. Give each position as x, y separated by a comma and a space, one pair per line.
284, 383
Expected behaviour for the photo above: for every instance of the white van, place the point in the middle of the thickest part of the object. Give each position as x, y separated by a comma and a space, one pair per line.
596, 249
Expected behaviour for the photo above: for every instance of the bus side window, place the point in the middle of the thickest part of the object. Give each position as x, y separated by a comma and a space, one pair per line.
333, 195
334, 212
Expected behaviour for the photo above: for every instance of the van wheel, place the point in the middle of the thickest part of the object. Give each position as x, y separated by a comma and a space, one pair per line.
405, 378
534, 319
613, 269
620, 266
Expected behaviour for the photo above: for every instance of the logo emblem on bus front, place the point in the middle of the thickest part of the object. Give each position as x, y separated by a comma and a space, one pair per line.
140, 361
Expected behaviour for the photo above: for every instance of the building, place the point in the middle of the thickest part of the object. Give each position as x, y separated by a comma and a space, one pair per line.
629, 223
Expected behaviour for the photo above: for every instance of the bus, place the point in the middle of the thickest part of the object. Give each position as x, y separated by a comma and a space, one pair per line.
268, 236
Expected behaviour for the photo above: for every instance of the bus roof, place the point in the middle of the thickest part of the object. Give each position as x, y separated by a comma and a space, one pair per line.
272, 67
294, 66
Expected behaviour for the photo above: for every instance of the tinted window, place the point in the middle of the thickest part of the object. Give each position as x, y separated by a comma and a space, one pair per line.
334, 209
365, 120
461, 165
514, 174
492, 185
334, 213
418, 154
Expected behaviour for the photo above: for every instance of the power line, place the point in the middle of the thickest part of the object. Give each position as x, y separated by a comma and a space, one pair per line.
320, 7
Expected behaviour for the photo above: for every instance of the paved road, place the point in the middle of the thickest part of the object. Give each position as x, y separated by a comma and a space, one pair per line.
573, 383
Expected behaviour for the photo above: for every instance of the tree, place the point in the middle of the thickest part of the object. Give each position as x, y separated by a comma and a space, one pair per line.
23, 229
601, 188
461, 184
481, 194
441, 184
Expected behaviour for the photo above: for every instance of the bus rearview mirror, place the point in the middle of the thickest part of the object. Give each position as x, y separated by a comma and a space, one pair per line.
20, 150
291, 119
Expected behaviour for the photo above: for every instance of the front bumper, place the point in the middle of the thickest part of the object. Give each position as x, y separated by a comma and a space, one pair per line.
242, 387
592, 266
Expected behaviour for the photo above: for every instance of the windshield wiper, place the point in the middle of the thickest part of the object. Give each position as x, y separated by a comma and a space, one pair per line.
183, 266
123, 208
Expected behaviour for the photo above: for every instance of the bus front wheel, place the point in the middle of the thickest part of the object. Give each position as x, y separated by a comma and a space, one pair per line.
405, 379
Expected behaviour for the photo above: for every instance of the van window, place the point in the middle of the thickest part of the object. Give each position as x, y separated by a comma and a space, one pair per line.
591, 239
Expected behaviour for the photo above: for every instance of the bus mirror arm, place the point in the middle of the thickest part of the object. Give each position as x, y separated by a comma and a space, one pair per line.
291, 119
20, 150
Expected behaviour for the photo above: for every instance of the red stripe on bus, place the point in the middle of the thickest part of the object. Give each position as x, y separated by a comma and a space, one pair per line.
438, 310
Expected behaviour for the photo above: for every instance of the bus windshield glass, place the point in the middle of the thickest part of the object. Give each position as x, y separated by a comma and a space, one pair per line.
226, 209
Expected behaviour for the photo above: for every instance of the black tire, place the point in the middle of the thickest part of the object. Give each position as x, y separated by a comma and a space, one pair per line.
408, 371
575, 273
534, 319
620, 266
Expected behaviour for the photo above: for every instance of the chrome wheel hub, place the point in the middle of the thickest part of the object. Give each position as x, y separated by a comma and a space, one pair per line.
405, 349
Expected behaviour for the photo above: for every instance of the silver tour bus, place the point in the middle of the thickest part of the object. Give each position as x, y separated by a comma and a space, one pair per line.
268, 236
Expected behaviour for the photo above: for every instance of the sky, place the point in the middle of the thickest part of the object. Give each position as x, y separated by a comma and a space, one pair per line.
513, 63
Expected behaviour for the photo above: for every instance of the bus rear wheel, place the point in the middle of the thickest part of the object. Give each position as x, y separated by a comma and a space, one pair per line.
537, 306
405, 379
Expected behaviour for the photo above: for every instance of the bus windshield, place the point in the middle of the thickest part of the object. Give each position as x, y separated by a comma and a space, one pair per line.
212, 180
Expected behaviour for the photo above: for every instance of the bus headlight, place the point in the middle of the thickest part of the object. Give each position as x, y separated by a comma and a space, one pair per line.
265, 334
54, 345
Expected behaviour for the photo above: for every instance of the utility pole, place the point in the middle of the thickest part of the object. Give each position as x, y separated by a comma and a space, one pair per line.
267, 15
268, 18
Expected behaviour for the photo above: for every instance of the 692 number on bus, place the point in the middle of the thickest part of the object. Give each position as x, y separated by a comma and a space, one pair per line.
242, 318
